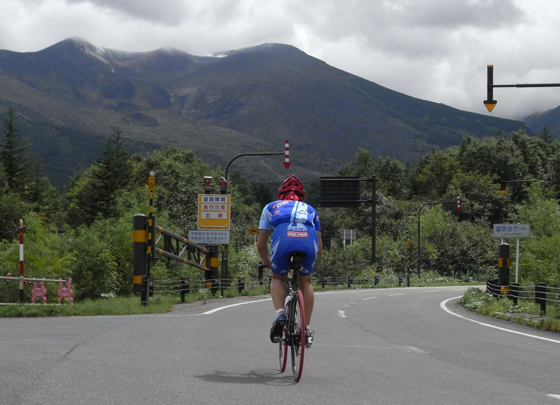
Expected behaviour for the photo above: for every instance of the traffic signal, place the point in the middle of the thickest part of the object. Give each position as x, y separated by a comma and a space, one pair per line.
206, 184
490, 103
223, 185
502, 182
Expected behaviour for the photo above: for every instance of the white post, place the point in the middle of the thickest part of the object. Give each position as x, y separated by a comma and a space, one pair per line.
517, 263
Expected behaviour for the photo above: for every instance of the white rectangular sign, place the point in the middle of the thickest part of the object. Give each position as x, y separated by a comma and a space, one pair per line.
209, 237
512, 230
214, 211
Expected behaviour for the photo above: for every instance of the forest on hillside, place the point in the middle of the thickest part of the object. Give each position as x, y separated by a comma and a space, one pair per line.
85, 231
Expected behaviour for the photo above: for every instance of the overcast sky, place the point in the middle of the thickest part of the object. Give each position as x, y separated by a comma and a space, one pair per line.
435, 50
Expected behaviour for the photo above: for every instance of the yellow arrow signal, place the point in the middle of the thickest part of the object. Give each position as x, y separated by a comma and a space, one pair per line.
490, 104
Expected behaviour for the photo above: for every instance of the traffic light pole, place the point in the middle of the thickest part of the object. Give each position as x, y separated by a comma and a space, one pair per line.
250, 154
490, 103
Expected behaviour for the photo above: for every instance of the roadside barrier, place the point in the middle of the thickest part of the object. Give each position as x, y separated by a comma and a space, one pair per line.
39, 291
186, 286
539, 293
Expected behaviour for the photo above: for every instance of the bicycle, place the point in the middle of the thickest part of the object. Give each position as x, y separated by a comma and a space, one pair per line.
294, 336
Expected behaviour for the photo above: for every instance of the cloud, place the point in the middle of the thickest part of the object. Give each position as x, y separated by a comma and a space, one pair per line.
161, 11
436, 50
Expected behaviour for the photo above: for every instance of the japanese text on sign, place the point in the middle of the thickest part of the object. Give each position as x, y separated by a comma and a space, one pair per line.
209, 237
214, 211
512, 230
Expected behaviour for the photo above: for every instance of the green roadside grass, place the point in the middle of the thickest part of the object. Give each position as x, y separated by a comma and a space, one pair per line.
525, 312
116, 305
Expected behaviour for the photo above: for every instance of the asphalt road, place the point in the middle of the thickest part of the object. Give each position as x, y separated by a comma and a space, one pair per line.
372, 346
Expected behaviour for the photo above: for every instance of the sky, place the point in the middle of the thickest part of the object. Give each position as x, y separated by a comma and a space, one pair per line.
434, 50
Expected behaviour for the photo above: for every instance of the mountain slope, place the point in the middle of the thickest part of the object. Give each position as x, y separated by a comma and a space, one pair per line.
241, 101
551, 119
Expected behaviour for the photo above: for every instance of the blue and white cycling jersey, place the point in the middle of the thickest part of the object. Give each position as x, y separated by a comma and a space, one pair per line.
295, 224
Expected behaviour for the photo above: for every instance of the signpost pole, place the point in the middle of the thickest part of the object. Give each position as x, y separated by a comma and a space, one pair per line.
517, 263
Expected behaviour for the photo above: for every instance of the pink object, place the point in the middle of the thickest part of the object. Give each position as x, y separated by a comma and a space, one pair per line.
39, 291
65, 292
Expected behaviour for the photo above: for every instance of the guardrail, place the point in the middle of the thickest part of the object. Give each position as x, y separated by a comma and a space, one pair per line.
539, 293
186, 286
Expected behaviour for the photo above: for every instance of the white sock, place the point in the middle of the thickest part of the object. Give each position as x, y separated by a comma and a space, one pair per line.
279, 311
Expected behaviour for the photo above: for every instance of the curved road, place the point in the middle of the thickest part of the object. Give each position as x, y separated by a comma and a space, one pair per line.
374, 346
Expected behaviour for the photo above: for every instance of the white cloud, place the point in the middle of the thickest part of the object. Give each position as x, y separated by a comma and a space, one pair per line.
435, 50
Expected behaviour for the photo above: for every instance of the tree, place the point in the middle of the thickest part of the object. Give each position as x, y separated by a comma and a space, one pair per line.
14, 154
546, 135
94, 193
435, 175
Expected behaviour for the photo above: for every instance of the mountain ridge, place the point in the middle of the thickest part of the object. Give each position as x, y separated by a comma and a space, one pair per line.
237, 101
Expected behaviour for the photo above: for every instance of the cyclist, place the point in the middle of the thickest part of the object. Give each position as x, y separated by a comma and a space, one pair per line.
296, 228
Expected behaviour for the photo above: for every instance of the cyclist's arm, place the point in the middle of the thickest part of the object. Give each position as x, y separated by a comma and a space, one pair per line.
262, 246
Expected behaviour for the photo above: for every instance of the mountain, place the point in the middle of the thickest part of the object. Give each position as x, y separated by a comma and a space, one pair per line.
551, 119
73, 95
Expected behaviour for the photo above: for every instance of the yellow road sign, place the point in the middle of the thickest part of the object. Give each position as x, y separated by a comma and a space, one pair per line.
253, 230
214, 211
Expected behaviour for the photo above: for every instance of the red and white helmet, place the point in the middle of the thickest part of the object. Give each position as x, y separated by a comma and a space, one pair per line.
291, 189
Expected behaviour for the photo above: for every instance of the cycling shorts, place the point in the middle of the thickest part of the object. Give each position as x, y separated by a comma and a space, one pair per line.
288, 238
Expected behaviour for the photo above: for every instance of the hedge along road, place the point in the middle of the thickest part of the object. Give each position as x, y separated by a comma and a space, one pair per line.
375, 346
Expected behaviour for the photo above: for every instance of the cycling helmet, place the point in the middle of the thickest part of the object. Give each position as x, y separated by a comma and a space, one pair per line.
291, 189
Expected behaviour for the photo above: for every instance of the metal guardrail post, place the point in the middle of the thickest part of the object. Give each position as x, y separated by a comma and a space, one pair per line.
540, 297
185, 288
514, 292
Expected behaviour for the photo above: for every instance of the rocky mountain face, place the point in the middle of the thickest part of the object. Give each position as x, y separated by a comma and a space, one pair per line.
73, 95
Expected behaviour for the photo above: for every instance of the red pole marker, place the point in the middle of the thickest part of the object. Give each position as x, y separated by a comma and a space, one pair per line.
458, 202
21, 280
21, 247
287, 154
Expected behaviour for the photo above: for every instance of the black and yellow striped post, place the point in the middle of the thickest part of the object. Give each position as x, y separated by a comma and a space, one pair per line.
503, 266
139, 251
212, 262
151, 221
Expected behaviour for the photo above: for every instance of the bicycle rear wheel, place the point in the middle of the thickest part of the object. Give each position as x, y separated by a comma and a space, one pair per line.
296, 332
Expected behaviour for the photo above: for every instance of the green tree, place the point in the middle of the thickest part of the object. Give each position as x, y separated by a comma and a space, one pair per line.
539, 253
94, 192
435, 174
14, 154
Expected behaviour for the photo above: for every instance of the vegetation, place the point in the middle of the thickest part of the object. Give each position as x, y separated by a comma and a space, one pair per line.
524, 312
85, 232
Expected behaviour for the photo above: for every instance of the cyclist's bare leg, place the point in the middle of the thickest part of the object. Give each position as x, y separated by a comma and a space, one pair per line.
304, 284
278, 290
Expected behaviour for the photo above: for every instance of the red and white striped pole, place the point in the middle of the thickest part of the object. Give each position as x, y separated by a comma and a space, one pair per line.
287, 162
21, 281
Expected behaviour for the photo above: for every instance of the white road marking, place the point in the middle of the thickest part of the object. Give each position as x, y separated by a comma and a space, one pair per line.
392, 295
341, 314
370, 298
212, 311
415, 349
555, 396
442, 305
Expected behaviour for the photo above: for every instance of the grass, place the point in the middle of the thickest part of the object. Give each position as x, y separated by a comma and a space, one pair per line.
117, 305
527, 313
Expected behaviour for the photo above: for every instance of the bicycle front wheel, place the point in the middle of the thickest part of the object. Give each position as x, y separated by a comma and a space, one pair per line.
283, 351
296, 332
